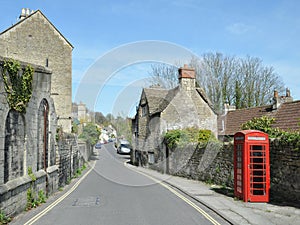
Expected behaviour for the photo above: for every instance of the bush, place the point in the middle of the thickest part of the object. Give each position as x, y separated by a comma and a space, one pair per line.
205, 135
265, 123
180, 137
90, 133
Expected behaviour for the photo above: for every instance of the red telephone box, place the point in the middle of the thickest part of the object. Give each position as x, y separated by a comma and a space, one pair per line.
251, 166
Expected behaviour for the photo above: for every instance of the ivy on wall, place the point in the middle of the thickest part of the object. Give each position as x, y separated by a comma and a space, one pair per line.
17, 84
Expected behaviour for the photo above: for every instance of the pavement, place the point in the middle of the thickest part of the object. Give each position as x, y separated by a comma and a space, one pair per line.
233, 210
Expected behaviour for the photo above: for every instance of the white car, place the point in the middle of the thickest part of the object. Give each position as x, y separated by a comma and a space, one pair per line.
124, 147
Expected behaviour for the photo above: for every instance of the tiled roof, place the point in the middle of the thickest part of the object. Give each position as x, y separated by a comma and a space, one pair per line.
287, 117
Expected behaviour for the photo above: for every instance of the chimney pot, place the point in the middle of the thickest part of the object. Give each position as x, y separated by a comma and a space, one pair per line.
275, 94
23, 14
186, 72
288, 93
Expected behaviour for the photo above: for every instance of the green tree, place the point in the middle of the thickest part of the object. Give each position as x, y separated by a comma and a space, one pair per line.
123, 126
90, 133
100, 118
75, 126
109, 118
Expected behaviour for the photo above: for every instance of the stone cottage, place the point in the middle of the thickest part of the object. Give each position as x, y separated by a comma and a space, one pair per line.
160, 110
34, 39
27, 144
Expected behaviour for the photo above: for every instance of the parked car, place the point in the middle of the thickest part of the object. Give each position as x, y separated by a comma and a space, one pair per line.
124, 147
98, 145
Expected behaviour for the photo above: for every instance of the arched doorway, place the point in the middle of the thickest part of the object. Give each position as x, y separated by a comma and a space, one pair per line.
43, 136
14, 146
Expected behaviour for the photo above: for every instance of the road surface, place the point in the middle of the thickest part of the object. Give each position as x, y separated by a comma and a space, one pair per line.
114, 193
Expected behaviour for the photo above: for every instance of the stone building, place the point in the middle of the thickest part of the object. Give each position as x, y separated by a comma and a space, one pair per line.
34, 39
160, 110
81, 112
27, 143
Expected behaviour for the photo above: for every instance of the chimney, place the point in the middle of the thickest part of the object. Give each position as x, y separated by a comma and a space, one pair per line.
228, 108
276, 102
25, 12
187, 78
287, 97
288, 93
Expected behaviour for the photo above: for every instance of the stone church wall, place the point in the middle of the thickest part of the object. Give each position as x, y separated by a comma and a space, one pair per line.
20, 148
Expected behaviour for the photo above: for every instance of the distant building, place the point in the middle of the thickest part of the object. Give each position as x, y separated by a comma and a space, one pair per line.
81, 113
34, 39
160, 110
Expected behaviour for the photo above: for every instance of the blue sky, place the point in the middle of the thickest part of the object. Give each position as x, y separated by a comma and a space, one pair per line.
268, 29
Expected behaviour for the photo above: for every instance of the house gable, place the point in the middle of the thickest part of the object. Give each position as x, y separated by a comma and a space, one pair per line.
37, 14
189, 109
35, 40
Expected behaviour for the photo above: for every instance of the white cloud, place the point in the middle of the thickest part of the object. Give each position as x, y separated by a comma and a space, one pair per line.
239, 28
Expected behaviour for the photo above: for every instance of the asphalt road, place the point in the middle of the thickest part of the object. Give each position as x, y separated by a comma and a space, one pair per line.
113, 193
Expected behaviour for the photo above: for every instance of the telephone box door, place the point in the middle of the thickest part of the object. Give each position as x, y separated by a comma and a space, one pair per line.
258, 173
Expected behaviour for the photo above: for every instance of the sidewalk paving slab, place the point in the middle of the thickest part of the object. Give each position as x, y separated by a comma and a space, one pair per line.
236, 211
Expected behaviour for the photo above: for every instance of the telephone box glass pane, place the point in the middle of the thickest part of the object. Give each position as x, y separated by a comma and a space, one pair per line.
257, 169
239, 164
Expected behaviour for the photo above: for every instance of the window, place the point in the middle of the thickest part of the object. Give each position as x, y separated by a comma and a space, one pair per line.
144, 110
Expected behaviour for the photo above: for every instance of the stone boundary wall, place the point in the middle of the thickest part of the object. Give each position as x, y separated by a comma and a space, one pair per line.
85, 150
214, 164
72, 156
13, 194
285, 172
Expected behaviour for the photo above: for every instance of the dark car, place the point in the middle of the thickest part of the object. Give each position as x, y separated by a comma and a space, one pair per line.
98, 145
